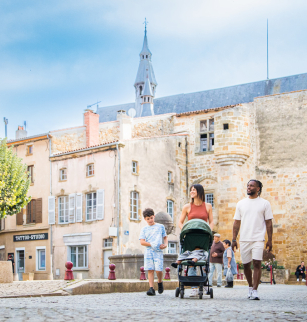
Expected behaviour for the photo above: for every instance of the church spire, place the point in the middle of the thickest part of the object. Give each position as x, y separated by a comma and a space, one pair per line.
145, 72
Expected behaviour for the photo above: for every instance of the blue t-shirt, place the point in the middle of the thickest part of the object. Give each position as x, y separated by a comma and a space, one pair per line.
154, 235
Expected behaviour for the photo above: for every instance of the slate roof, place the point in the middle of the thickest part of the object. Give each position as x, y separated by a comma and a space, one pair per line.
213, 98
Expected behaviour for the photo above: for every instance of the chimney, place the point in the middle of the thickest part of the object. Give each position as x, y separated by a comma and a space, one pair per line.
125, 125
20, 133
91, 121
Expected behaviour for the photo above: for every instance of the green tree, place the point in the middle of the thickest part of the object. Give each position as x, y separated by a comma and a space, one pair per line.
14, 182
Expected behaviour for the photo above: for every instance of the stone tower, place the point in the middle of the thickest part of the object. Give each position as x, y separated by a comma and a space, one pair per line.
145, 83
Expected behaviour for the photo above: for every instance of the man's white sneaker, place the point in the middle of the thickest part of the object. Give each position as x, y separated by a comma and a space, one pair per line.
298, 280
250, 291
194, 292
303, 280
254, 295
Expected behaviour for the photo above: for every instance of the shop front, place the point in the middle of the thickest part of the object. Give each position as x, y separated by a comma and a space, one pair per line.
29, 253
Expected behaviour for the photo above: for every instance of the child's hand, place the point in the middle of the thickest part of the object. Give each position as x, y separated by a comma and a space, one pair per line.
162, 246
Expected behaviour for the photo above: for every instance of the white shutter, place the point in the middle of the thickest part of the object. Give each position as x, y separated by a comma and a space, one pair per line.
51, 210
72, 207
79, 207
100, 204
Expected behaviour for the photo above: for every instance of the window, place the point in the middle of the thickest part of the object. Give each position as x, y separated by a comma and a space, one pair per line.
172, 248
146, 56
143, 56
91, 206
63, 210
78, 256
63, 174
31, 173
170, 208
134, 205
41, 259
29, 149
108, 243
209, 198
141, 88
31, 211
134, 167
90, 170
207, 135
226, 126
169, 177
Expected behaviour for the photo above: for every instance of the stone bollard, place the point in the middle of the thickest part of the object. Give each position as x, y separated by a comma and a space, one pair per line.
143, 276
167, 275
112, 272
68, 273
242, 276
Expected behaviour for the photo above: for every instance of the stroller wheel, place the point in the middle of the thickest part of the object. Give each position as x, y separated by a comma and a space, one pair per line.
182, 294
211, 293
177, 292
200, 294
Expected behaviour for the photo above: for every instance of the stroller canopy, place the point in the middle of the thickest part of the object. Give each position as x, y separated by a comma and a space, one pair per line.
196, 233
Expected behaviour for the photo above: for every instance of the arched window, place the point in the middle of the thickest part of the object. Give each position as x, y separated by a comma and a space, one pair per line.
148, 99
141, 88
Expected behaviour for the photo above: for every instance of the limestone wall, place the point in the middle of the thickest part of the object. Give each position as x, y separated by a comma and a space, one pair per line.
68, 139
282, 168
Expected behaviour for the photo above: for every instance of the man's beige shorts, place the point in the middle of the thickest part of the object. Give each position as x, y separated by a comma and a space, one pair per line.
251, 250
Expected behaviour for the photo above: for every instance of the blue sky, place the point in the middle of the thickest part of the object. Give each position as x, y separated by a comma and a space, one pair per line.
57, 57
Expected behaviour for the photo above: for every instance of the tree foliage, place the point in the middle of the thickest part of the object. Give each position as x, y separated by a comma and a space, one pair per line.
14, 182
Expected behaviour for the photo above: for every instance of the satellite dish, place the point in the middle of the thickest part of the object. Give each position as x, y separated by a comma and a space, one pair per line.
132, 112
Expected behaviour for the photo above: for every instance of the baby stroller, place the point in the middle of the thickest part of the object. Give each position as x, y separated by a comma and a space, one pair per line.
196, 233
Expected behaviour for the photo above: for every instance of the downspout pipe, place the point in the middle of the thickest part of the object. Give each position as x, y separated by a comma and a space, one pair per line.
118, 197
186, 167
51, 248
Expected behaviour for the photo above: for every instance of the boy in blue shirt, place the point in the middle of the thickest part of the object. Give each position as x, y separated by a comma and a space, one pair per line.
153, 236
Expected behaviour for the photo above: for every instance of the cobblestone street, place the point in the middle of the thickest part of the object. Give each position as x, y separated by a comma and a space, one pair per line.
278, 303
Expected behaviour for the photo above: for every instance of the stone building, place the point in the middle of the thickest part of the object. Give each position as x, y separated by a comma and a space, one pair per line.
148, 153
26, 235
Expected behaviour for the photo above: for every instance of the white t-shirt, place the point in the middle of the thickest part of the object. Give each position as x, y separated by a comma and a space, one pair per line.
253, 213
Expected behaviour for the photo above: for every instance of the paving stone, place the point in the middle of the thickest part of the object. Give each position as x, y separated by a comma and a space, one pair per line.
278, 302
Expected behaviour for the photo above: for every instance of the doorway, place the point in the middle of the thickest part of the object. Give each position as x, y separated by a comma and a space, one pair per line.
106, 262
20, 263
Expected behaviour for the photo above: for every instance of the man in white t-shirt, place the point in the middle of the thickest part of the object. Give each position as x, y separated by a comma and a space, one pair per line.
254, 215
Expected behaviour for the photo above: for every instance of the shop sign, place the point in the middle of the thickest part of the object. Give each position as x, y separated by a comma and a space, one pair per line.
30, 237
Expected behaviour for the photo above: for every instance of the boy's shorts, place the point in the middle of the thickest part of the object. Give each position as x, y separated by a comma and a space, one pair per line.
153, 261
251, 250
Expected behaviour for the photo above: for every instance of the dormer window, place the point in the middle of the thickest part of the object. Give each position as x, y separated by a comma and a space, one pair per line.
148, 99
141, 88
144, 99
143, 56
146, 56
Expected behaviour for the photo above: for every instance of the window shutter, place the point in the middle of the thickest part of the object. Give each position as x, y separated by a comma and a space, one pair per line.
72, 207
39, 211
51, 210
100, 204
79, 207
33, 210
19, 218
28, 211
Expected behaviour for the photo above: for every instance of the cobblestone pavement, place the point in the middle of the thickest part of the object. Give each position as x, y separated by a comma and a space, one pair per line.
31, 287
278, 303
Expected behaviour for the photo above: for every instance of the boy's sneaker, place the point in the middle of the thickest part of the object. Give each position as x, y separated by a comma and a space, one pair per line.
151, 291
160, 288
250, 291
194, 292
254, 295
